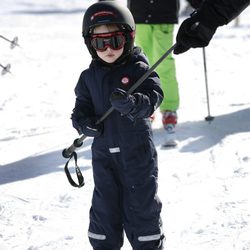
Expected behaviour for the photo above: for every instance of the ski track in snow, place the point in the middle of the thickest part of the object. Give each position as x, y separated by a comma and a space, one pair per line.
204, 182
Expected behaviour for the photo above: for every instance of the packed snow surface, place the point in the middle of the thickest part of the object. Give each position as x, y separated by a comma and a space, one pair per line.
204, 182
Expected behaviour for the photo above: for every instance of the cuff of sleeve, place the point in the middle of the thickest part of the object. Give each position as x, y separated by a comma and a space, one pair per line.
209, 17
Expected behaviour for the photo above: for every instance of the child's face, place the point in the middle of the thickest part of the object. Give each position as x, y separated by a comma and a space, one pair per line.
108, 55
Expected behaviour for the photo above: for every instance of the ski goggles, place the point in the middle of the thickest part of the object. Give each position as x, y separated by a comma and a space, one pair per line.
114, 40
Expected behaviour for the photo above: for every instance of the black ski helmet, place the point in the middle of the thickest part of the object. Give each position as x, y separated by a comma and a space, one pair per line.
108, 12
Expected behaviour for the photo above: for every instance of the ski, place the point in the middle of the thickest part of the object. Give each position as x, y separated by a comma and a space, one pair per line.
169, 137
169, 144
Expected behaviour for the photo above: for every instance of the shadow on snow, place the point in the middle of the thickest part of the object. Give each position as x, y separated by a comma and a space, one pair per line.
42, 164
202, 135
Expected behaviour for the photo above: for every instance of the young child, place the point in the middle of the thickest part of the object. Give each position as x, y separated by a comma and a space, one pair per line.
124, 157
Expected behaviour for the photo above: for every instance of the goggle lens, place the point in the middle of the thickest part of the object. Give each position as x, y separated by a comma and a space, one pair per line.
101, 42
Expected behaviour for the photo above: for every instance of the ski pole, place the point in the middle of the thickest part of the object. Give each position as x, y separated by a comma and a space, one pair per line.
67, 152
13, 43
6, 69
209, 117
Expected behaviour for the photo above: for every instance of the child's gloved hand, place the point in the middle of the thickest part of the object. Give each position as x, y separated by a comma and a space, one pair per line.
87, 125
134, 106
89, 128
122, 102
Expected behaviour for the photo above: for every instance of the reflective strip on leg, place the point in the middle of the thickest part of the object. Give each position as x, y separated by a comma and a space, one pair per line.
97, 236
149, 237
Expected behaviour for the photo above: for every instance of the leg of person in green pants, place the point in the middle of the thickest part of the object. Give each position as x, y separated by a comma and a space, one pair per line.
155, 40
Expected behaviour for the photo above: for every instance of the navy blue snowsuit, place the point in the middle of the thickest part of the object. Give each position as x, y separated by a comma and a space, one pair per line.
124, 158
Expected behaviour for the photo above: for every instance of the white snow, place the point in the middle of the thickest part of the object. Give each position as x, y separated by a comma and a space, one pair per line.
204, 183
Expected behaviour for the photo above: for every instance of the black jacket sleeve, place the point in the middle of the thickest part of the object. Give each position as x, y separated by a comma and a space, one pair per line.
149, 94
83, 105
216, 13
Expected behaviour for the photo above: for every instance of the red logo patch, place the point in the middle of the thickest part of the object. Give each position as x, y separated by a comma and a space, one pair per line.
125, 80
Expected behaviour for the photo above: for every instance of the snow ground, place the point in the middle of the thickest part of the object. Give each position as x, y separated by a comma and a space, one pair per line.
204, 183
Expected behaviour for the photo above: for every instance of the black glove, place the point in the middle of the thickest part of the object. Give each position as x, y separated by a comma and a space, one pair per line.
121, 101
133, 106
89, 127
86, 125
193, 33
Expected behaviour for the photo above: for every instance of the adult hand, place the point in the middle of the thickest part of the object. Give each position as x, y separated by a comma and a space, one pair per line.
193, 33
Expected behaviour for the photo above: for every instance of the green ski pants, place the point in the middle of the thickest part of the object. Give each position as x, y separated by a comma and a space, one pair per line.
155, 40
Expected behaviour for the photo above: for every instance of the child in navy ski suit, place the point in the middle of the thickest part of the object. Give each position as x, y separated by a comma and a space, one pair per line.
124, 157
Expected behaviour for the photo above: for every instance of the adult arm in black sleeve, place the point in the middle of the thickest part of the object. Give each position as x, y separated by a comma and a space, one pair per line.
197, 30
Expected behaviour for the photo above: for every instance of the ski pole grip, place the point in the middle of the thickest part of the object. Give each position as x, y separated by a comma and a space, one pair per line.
67, 152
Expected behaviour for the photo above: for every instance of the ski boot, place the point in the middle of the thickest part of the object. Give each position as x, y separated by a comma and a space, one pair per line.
169, 121
152, 118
